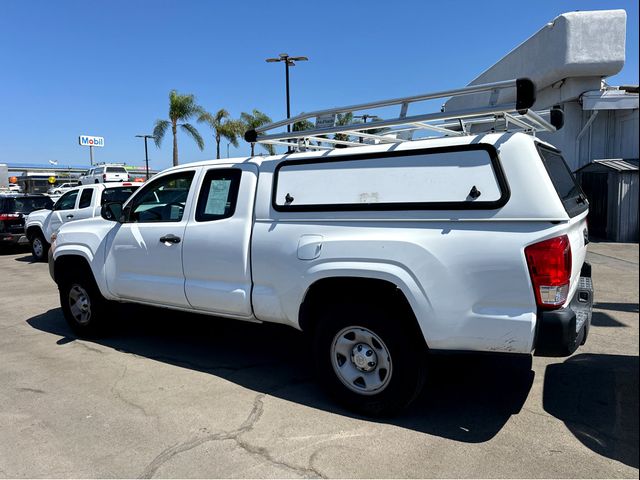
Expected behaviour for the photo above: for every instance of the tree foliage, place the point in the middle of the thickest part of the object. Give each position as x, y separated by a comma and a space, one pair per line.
343, 119
253, 120
181, 108
223, 126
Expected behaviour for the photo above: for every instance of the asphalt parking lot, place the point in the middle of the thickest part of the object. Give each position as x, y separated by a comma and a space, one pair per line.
175, 395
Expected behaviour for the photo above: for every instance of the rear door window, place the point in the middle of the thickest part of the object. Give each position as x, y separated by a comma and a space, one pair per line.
570, 193
218, 194
116, 170
85, 198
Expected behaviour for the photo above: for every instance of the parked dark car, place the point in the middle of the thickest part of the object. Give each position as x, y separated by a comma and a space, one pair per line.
13, 209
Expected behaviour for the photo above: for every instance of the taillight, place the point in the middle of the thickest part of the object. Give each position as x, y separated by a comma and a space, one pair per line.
104, 177
9, 216
550, 269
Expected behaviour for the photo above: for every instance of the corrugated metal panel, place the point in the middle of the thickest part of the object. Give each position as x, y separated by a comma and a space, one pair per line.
613, 206
618, 164
627, 230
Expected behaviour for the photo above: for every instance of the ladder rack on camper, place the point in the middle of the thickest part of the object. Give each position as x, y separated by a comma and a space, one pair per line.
512, 115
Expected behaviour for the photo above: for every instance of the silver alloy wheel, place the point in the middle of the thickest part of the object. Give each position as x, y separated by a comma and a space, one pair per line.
361, 360
38, 247
80, 304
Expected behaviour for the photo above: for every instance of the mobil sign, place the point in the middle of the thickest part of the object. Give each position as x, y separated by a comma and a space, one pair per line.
89, 141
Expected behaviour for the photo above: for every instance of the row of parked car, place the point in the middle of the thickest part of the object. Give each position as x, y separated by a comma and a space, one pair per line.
33, 218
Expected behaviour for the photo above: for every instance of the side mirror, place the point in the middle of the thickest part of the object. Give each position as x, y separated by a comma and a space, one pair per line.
112, 211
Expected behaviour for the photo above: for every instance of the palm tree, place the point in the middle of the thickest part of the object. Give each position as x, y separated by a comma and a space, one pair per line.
343, 119
254, 120
223, 127
302, 125
181, 109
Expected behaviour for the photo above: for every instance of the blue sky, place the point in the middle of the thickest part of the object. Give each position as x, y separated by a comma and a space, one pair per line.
106, 68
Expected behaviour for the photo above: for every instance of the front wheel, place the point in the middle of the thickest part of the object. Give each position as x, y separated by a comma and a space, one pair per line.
368, 358
83, 306
39, 247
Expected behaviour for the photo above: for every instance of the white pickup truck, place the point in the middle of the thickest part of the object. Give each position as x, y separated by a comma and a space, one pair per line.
382, 253
75, 204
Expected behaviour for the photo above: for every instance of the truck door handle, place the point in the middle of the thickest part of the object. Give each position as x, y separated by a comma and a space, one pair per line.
170, 239
69, 216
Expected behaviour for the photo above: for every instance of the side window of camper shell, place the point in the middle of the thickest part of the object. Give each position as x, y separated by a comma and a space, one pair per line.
573, 198
464, 177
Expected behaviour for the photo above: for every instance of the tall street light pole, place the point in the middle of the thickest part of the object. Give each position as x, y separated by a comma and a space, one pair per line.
364, 118
146, 151
288, 62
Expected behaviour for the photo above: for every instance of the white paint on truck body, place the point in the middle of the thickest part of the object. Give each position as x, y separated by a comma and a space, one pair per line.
463, 271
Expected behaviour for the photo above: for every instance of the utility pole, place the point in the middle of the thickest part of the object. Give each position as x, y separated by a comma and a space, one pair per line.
146, 151
364, 118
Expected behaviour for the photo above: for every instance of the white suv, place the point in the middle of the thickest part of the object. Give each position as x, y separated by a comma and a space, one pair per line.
105, 173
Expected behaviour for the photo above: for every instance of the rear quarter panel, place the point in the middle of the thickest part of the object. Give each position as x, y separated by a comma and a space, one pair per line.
463, 272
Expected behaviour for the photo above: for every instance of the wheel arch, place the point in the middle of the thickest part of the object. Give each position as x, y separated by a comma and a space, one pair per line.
355, 289
65, 264
32, 230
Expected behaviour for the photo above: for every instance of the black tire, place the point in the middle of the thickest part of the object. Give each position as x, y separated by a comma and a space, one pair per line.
407, 357
39, 247
97, 181
84, 308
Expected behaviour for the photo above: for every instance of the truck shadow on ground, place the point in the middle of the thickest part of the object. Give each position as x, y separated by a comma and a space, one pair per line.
469, 398
596, 396
26, 259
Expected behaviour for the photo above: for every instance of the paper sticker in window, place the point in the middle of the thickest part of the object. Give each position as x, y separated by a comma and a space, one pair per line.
217, 198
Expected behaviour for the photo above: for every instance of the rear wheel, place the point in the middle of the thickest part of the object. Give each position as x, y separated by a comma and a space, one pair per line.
84, 307
370, 359
39, 247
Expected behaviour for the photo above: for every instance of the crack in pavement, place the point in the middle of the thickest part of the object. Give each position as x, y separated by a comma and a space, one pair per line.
245, 427
614, 258
540, 414
178, 362
117, 394
87, 347
262, 452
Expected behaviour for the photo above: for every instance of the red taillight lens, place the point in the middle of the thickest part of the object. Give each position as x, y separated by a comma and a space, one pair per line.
104, 177
550, 268
8, 216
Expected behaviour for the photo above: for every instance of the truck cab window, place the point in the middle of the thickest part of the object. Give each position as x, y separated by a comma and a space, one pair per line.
162, 200
67, 201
